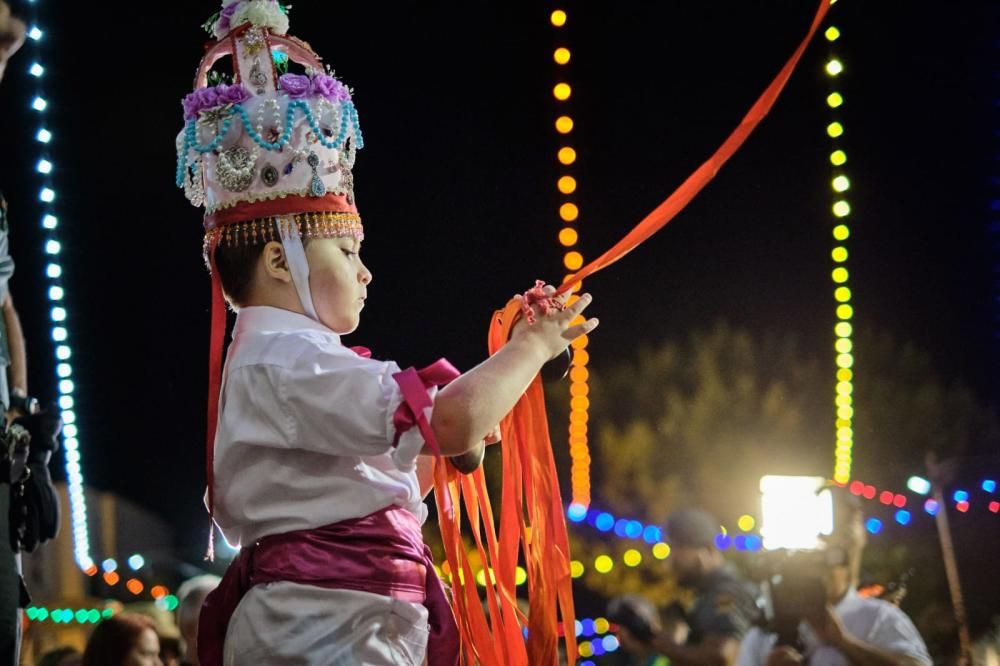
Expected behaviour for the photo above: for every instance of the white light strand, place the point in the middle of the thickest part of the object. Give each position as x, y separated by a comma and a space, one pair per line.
45, 167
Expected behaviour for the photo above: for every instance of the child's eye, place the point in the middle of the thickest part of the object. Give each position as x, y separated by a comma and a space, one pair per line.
349, 253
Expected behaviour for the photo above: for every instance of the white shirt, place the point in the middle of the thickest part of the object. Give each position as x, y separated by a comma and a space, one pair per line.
305, 431
872, 620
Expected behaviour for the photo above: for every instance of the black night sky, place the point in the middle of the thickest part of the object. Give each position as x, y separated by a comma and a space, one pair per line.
457, 187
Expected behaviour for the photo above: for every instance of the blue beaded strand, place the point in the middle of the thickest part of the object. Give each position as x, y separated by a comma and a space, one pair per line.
348, 115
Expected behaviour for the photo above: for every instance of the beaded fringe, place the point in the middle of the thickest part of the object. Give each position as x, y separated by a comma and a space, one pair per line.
263, 230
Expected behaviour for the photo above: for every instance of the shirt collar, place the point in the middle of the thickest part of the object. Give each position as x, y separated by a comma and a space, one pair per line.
264, 318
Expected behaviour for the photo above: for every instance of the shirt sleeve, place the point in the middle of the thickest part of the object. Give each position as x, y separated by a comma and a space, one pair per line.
343, 404
755, 648
894, 631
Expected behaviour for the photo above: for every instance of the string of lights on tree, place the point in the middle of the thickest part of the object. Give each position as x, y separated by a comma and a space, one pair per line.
843, 329
52, 247
569, 236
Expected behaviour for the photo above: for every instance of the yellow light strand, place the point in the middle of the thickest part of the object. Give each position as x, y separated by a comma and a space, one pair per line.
568, 238
839, 275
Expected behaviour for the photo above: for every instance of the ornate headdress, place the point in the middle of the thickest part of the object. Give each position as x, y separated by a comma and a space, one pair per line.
267, 152
266, 144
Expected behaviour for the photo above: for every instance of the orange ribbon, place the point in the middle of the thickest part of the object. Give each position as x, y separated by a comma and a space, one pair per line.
532, 522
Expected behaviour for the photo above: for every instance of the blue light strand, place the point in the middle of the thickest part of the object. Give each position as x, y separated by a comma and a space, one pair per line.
624, 528
45, 167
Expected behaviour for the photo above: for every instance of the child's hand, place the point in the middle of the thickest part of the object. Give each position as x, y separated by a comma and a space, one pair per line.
553, 331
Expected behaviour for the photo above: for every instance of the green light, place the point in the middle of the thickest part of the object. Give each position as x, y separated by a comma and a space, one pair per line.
842, 294
81, 616
31, 612
834, 100
171, 602
834, 129
839, 275
831, 34
841, 232
107, 612
838, 158
839, 254
843, 329
42, 614
94, 616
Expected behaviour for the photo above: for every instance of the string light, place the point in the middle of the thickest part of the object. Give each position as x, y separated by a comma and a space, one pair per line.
843, 329
569, 236
47, 196
67, 615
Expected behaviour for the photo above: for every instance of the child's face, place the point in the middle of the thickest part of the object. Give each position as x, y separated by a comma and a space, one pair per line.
338, 281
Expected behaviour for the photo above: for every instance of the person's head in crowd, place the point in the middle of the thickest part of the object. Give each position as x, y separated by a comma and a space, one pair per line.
845, 546
691, 534
637, 621
63, 656
12, 32
191, 596
128, 639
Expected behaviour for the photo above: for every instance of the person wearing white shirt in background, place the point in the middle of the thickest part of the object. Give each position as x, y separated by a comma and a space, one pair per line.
851, 629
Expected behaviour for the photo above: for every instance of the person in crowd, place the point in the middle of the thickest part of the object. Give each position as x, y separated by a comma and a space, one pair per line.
128, 639
848, 628
725, 605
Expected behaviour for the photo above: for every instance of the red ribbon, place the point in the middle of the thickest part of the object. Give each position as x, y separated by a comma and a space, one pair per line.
683, 195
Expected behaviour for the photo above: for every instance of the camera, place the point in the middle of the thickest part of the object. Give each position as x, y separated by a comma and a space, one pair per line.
795, 582
27, 445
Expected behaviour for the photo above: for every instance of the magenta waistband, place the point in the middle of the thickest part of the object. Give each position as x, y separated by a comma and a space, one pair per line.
382, 553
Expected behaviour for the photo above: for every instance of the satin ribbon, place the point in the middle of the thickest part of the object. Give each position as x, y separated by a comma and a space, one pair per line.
694, 183
298, 265
413, 384
382, 553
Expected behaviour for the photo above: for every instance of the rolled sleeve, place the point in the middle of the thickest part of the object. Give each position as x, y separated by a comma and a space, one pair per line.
342, 404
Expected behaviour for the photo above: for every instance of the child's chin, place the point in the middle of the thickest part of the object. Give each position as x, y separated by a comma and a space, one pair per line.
343, 327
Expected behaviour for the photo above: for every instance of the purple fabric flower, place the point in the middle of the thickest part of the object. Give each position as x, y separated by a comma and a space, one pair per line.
330, 88
223, 26
207, 98
203, 98
233, 94
296, 85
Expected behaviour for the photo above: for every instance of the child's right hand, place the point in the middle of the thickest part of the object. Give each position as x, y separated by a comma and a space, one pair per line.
553, 332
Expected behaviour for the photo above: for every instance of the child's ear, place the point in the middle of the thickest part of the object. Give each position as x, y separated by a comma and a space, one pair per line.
275, 264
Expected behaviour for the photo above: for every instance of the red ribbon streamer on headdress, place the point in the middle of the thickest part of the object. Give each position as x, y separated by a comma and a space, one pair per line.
683, 195
217, 339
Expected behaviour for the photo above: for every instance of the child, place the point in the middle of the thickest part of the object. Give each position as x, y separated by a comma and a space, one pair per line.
318, 474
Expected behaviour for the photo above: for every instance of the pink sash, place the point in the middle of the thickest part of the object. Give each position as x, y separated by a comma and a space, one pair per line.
382, 553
